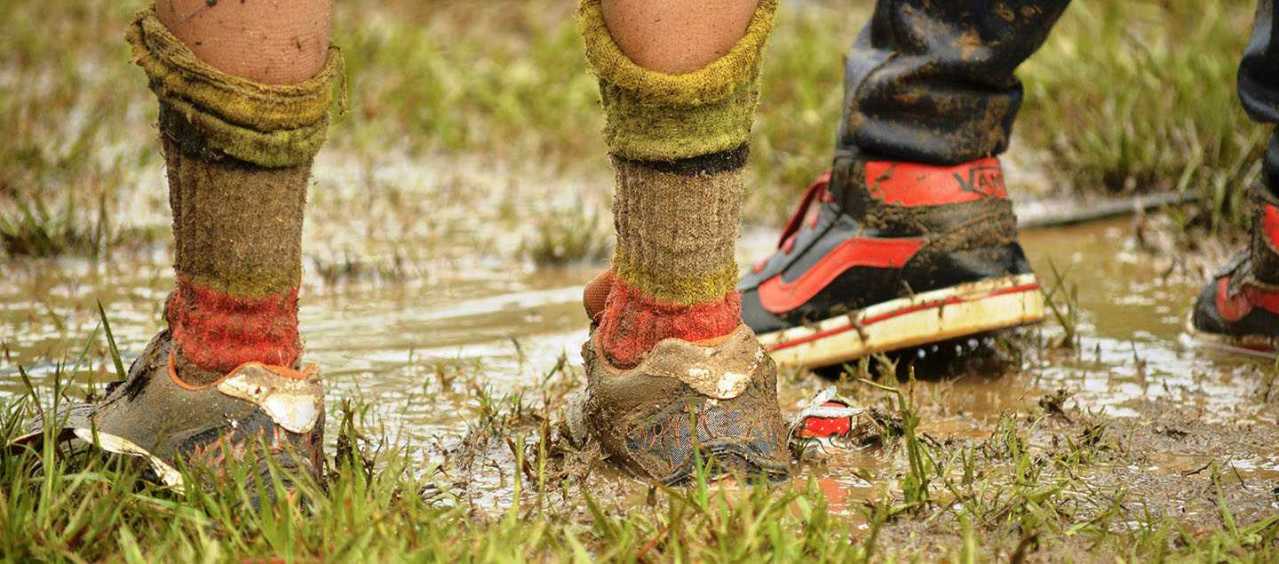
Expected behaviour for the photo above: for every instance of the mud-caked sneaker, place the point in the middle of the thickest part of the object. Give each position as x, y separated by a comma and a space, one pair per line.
885, 255
1239, 308
685, 402
253, 413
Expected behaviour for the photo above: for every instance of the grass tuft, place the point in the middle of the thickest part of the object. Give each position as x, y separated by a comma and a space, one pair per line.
567, 237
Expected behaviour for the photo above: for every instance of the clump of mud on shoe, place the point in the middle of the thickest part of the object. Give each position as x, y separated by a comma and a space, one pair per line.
683, 404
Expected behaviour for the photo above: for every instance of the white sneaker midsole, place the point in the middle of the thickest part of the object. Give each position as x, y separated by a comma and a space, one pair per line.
948, 313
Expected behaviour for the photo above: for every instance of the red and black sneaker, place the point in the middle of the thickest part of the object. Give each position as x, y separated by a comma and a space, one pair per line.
885, 255
1239, 309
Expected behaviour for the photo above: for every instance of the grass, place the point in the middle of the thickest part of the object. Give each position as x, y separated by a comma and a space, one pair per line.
1005, 496
69, 112
95, 509
567, 237
1134, 96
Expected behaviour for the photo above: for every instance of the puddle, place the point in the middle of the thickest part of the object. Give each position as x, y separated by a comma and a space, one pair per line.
431, 351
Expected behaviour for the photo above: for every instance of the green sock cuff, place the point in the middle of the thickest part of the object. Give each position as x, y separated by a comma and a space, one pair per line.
209, 112
655, 116
673, 287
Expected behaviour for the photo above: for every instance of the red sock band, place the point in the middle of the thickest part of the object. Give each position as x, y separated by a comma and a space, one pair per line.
632, 323
218, 332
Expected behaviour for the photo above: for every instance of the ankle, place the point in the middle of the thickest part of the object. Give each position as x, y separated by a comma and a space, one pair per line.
910, 199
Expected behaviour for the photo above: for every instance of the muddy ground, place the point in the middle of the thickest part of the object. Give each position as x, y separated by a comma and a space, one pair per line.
1105, 418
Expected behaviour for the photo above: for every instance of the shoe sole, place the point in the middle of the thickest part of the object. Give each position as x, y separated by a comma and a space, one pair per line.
1256, 346
939, 315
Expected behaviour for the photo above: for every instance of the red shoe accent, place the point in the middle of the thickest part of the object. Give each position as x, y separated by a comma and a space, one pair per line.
779, 296
1270, 226
218, 332
1234, 308
632, 323
826, 427
915, 184
1231, 308
815, 191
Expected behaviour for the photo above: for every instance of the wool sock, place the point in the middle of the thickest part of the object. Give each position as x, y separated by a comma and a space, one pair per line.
678, 144
238, 155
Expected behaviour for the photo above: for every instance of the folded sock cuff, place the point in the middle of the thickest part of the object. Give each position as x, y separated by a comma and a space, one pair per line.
215, 114
655, 116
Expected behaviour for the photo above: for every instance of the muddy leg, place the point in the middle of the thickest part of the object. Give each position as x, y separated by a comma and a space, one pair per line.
238, 192
671, 371
1259, 83
916, 189
244, 90
670, 37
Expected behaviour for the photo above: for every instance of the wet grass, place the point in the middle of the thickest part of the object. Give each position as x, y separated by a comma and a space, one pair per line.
68, 107
999, 497
88, 508
568, 237
1011, 495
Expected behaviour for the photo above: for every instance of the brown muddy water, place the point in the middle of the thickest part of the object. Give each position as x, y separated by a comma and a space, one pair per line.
430, 354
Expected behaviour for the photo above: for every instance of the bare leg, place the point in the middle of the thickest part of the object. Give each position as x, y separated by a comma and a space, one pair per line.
676, 36
265, 41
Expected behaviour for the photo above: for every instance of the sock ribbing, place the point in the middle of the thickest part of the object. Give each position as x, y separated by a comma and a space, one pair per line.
677, 233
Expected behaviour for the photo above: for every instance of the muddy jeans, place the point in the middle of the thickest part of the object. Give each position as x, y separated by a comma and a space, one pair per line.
933, 81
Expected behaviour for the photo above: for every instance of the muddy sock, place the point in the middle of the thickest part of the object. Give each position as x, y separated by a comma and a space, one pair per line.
239, 156
678, 143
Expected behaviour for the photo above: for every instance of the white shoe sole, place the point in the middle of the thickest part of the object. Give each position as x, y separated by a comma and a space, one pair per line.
939, 315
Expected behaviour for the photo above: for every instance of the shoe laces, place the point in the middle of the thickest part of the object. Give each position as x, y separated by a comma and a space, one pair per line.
818, 191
